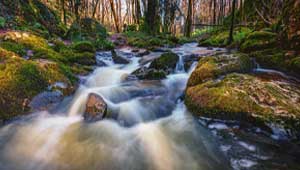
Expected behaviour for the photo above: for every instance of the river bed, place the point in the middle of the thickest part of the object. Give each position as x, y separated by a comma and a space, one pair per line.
150, 128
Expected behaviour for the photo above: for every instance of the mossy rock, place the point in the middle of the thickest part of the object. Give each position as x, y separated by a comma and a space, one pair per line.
248, 98
213, 67
279, 60
33, 42
14, 47
86, 29
166, 62
57, 44
21, 80
149, 74
84, 46
31, 14
259, 40
47, 17
218, 38
104, 44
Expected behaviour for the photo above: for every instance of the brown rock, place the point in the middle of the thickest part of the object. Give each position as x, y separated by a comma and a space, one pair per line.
96, 108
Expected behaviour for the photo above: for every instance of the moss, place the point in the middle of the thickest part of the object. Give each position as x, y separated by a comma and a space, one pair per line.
245, 98
259, 40
31, 15
58, 45
219, 37
14, 47
84, 58
206, 69
103, 44
21, 80
165, 62
86, 29
84, 46
214, 66
5, 54
38, 44
143, 40
18, 81
155, 75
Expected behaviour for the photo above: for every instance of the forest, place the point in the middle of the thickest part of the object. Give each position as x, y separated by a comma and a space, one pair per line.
149, 84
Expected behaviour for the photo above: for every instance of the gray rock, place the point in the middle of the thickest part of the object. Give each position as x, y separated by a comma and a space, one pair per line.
45, 100
118, 59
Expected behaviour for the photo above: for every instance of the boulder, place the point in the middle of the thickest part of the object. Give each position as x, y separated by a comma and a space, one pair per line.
142, 53
213, 67
166, 62
128, 77
216, 90
96, 108
149, 74
45, 100
118, 59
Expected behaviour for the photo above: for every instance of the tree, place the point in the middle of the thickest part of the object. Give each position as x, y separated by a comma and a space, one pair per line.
114, 15
230, 39
188, 23
63, 12
152, 18
76, 10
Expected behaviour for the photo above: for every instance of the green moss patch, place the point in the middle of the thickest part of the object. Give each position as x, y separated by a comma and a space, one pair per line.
246, 98
259, 40
212, 67
165, 62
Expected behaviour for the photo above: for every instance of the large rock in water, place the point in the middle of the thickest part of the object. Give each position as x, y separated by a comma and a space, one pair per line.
149, 74
259, 99
166, 62
159, 68
96, 108
118, 59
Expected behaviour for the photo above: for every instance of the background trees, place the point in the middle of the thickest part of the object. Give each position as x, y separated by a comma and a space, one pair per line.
172, 16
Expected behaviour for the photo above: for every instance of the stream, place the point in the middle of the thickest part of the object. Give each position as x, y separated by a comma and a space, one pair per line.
150, 128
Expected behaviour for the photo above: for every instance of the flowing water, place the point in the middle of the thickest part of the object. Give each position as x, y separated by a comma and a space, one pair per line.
149, 128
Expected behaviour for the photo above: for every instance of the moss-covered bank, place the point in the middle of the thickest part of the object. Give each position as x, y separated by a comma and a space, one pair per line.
218, 92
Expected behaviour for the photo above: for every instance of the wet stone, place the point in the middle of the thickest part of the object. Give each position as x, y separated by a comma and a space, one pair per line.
96, 108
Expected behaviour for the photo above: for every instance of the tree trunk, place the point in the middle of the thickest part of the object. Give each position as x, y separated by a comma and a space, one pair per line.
137, 12
232, 22
63, 13
188, 24
95, 7
114, 15
76, 10
152, 18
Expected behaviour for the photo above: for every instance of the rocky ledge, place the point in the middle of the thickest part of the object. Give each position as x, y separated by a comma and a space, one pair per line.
224, 87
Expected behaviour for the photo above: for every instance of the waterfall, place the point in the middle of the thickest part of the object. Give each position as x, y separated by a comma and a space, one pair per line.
180, 65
